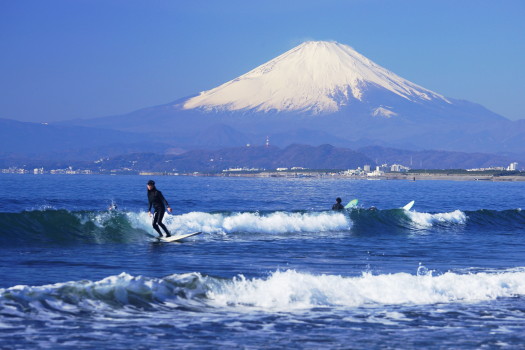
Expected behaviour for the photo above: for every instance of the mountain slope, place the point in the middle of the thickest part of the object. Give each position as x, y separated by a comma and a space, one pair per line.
323, 92
316, 77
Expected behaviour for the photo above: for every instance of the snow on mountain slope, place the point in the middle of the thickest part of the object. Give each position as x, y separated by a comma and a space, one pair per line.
317, 77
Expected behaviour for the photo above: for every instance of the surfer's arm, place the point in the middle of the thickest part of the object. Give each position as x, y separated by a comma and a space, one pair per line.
162, 198
167, 205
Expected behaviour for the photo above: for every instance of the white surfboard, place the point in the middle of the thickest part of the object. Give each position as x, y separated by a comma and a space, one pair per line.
178, 237
409, 205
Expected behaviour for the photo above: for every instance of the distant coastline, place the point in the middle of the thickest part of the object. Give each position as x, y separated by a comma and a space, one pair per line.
317, 174
387, 176
454, 177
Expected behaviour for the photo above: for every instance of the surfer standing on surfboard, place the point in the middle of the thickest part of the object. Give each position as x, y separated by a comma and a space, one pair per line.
157, 200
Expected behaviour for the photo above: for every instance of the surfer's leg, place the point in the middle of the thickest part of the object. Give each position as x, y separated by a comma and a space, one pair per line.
161, 224
155, 222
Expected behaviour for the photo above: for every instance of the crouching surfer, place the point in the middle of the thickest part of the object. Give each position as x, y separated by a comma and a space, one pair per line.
159, 204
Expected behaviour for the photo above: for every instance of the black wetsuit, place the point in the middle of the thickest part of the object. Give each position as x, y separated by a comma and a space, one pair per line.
157, 200
337, 206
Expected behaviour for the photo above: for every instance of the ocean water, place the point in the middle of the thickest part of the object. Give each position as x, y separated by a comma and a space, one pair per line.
274, 267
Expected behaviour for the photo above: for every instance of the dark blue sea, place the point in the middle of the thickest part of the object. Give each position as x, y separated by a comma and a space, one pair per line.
274, 268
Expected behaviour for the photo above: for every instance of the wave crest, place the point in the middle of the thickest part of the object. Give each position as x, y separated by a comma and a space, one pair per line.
291, 289
62, 226
282, 290
273, 223
428, 220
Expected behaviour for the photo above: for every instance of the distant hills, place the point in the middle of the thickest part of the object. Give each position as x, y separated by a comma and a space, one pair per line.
261, 157
271, 158
309, 157
429, 159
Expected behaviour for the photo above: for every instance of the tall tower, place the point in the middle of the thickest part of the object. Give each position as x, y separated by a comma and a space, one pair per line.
267, 141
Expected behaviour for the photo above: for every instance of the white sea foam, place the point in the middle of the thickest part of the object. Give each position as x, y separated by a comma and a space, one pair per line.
99, 219
140, 220
273, 223
293, 290
428, 220
281, 291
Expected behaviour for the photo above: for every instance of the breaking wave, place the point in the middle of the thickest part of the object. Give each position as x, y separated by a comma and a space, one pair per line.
275, 222
402, 221
61, 226
64, 227
280, 291
291, 289
428, 220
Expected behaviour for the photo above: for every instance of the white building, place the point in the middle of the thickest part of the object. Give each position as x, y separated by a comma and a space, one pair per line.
384, 168
375, 173
398, 168
513, 166
351, 172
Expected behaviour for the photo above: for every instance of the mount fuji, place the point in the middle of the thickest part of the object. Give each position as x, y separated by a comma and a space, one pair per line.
314, 78
323, 92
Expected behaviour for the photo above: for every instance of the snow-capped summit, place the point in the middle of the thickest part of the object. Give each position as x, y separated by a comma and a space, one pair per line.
316, 77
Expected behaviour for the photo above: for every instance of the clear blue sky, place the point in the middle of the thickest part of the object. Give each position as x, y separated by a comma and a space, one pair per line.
65, 59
